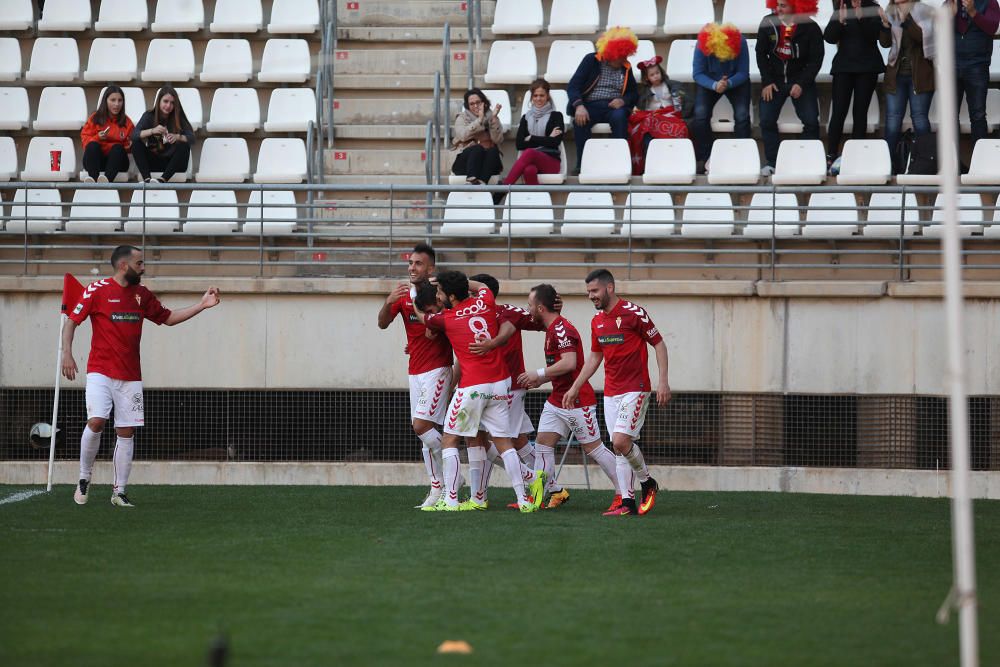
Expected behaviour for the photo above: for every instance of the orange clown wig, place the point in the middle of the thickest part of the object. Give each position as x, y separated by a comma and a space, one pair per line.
616, 43
807, 7
722, 41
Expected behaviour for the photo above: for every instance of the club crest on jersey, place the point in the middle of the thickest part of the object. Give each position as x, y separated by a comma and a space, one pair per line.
618, 322
138, 300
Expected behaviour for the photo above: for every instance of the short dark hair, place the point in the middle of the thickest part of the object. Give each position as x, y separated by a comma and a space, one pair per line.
600, 274
426, 295
492, 283
122, 252
545, 294
425, 249
454, 283
475, 91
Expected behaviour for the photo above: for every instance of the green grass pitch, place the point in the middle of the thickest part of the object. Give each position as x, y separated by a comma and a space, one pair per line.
354, 576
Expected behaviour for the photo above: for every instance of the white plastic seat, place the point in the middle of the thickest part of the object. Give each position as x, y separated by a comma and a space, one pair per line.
112, 59
708, 215
800, 163
15, 113
772, 214
135, 102
501, 97
169, 60
65, 16
40, 211
993, 231
829, 52
178, 16
180, 176
511, 62
680, 59
211, 212
824, 11
885, 211
564, 57
95, 212
995, 62
648, 215
872, 120
560, 101
559, 178
825, 209
687, 17
970, 216
38, 165
191, 103
734, 162
8, 159
10, 59
17, 15
574, 17
745, 14
290, 110
237, 16
294, 16
469, 214
754, 66
285, 61
223, 160
984, 168
54, 59
278, 215
517, 17
227, 61
669, 162
606, 161
788, 120
588, 214
865, 162
234, 110
281, 160
527, 214
644, 51
122, 16
157, 208
61, 108
639, 15
724, 117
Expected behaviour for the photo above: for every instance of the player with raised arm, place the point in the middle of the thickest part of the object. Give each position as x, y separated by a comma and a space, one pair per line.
620, 332
429, 366
117, 307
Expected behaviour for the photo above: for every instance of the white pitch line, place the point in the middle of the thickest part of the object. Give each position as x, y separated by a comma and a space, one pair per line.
19, 496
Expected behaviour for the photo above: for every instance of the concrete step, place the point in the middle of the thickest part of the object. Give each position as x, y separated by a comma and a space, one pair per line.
369, 82
408, 12
432, 34
366, 213
375, 161
399, 111
365, 180
388, 132
376, 62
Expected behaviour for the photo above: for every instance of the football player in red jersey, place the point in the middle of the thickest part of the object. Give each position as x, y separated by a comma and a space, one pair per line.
429, 366
620, 332
117, 307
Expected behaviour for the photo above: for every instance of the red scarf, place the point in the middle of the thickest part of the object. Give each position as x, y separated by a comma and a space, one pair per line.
784, 47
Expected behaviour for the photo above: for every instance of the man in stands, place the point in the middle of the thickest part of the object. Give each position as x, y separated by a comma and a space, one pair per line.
429, 365
117, 307
721, 66
620, 332
976, 21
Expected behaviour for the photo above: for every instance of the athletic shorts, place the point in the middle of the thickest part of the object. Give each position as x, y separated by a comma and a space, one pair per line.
626, 413
427, 393
481, 406
125, 397
581, 422
520, 422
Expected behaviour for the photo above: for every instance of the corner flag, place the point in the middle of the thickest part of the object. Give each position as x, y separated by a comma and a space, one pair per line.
72, 293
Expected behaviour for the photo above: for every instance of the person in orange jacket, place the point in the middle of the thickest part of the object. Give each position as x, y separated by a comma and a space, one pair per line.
107, 138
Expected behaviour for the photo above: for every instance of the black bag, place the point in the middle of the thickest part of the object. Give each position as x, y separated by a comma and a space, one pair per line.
923, 155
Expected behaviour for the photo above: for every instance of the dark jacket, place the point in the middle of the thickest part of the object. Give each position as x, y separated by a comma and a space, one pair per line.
585, 78
974, 39
923, 69
807, 54
148, 122
857, 50
546, 144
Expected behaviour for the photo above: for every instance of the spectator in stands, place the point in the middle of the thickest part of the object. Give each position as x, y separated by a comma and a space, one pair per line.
163, 138
854, 28
476, 138
603, 88
539, 136
721, 67
789, 54
908, 29
107, 138
659, 113
976, 21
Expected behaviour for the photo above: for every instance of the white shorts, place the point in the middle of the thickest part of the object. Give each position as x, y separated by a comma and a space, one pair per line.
581, 422
125, 397
481, 406
427, 393
626, 413
520, 422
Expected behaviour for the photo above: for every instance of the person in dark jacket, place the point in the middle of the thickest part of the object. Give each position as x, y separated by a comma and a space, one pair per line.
721, 66
789, 54
538, 138
976, 21
163, 138
854, 28
603, 88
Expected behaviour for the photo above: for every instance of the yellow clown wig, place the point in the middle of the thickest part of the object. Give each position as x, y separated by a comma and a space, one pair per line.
616, 43
722, 41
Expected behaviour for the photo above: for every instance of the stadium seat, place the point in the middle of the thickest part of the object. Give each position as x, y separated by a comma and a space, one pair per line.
527, 214
8, 159
564, 57
644, 51
886, 213
825, 209
669, 162
64, 16
95, 212
285, 61
235, 110
500, 96
639, 15
294, 16
112, 59
223, 160
588, 214
61, 108
178, 16
38, 164
708, 215
560, 178
865, 162
153, 211
873, 116
788, 120
54, 59
290, 110
517, 17
824, 76
281, 160
10, 59
984, 168
277, 216
191, 103
135, 102
122, 16
169, 60
461, 220
970, 216
745, 14
227, 61
754, 67
42, 214
560, 101
17, 15
687, 17
237, 16
648, 215
14, 110
724, 118
606, 161
211, 212
995, 62
680, 59
823, 13
800, 163
772, 214
993, 231
734, 162
511, 62
179, 177
574, 17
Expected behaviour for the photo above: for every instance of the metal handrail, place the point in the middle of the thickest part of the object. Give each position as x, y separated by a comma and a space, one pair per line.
446, 71
470, 59
331, 39
479, 24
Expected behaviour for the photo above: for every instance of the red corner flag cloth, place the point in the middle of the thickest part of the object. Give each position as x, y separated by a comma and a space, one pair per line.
72, 291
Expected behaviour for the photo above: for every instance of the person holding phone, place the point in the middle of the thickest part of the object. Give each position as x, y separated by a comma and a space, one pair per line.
107, 138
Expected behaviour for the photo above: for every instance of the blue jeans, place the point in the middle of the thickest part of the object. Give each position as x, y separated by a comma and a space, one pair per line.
704, 102
806, 108
974, 81
895, 109
600, 112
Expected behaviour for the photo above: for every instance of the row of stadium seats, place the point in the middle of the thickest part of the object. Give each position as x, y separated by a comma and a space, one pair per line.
231, 16
57, 59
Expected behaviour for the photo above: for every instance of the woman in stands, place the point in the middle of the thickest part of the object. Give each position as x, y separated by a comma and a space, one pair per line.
659, 112
163, 138
538, 138
476, 139
107, 138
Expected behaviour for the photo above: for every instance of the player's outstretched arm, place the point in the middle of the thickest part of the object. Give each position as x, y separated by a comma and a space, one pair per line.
385, 314
209, 300
663, 385
68, 363
507, 329
589, 368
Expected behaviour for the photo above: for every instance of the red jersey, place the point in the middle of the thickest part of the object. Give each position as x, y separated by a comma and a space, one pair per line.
116, 314
622, 336
513, 351
561, 338
471, 321
426, 354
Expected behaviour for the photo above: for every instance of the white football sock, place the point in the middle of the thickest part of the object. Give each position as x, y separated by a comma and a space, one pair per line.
512, 464
638, 463
451, 472
477, 468
603, 457
431, 452
626, 478
545, 457
493, 454
487, 471
90, 443
527, 454
124, 448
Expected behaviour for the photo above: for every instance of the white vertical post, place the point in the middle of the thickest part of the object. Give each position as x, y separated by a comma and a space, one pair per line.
55, 402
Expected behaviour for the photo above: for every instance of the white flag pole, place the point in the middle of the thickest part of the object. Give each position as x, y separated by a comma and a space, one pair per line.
55, 401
